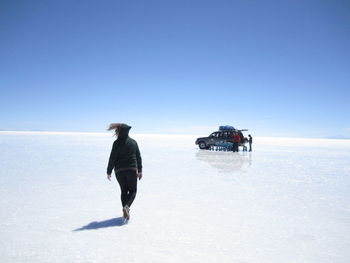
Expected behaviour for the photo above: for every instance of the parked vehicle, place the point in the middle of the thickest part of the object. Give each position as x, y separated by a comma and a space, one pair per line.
223, 135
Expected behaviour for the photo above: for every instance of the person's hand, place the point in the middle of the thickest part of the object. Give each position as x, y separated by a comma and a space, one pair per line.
139, 175
109, 177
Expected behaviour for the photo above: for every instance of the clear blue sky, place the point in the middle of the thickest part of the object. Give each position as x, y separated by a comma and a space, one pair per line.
278, 68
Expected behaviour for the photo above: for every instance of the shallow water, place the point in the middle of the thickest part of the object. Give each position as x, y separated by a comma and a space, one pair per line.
287, 201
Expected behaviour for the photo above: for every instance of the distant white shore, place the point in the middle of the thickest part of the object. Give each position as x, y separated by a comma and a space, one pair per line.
166, 134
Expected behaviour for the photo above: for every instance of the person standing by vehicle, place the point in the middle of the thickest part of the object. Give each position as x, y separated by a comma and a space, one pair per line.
250, 140
125, 159
236, 140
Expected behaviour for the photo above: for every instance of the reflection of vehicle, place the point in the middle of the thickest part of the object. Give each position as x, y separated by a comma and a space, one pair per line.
220, 136
225, 162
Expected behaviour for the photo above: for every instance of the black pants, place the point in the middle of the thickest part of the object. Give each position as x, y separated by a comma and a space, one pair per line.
128, 186
250, 147
235, 146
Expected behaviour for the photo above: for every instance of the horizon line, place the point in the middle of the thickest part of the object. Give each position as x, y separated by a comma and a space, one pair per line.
160, 134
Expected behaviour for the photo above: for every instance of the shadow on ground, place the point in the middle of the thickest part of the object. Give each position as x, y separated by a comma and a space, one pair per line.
120, 221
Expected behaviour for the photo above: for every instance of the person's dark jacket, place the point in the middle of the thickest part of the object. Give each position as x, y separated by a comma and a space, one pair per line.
250, 139
125, 154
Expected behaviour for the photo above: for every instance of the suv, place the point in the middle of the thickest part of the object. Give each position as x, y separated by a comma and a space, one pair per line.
218, 136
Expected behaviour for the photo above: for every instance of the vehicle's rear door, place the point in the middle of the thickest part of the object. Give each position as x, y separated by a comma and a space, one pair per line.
229, 136
226, 136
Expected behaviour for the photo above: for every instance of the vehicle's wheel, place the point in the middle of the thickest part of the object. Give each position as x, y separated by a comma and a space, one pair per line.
202, 145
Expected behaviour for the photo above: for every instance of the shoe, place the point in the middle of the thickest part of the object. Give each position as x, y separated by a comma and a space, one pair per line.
126, 213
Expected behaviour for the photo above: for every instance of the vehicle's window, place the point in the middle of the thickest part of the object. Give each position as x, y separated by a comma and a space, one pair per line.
218, 134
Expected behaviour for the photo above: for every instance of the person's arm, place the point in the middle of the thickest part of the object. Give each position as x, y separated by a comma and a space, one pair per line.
111, 162
139, 162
